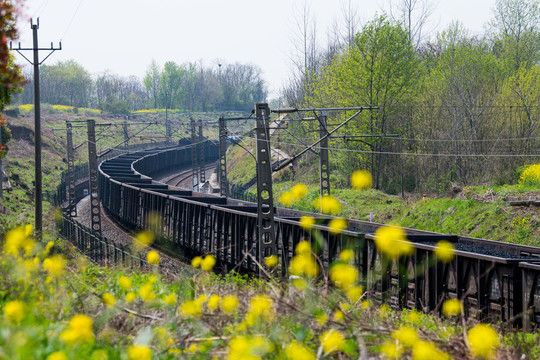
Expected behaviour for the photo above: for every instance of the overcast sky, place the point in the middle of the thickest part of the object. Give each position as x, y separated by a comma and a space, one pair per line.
123, 36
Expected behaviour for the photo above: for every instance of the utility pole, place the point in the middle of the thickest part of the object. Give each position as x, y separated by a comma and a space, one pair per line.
323, 155
194, 157
1, 169
265, 199
222, 174
202, 173
37, 122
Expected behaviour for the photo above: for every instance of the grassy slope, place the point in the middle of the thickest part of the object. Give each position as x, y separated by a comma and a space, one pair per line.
478, 211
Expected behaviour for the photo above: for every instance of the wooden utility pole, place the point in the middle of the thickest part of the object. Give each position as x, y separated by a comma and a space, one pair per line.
37, 123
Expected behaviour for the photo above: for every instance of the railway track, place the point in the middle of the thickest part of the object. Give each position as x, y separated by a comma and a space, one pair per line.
183, 179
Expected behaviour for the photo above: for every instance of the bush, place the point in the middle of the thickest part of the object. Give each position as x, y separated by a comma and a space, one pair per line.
531, 175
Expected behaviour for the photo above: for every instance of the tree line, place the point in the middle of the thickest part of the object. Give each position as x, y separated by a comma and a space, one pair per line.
454, 109
188, 86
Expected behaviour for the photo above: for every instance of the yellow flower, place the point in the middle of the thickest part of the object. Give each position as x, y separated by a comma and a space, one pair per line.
306, 222
321, 318
213, 302
208, 262
299, 284
392, 242
344, 275
146, 292
296, 351
190, 308
354, 293
143, 239
192, 348
424, 350
153, 257
54, 265
406, 336
347, 255
229, 304
152, 279
48, 247
302, 248
124, 282
444, 251
15, 240
247, 348
57, 355
483, 341
339, 315
139, 352
304, 265
271, 261
196, 261
108, 299
336, 225
452, 307
361, 179
286, 198
130, 297
261, 306
170, 299
332, 340
298, 191
79, 330
14, 311
328, 204
391, 350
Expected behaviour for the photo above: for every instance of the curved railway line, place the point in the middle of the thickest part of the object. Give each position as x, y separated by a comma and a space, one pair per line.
496, 281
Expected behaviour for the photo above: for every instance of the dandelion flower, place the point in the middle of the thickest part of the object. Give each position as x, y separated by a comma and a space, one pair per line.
139, 352
271, 261
483, 341
213, 302
425, 350
306, 222
339, 315
354, 293
229, 304
296, 351
196, 261
346, 255
108, 299
406, 336
361, 179
303, 247
79, 330
344, 275
57, 355
130, 297
170, 299
304, 265
392, 242
299, 191
391, 350
328, 204
208, 262
336, 225
452, 307
146, 292
14, 311
332, 340
153, 257
143, 239
124, 282
444, 251
286, 198
54, 265
190, 308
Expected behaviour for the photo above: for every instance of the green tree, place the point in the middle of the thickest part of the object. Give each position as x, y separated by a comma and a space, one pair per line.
516, 26
170, 89
66, 83
152, 80
380, 69
10, 74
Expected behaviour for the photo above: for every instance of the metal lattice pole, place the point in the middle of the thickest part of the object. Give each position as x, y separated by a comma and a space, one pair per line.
265, 199
72, 205
93, 177
194, 157
222, 158
202, 174
323, 155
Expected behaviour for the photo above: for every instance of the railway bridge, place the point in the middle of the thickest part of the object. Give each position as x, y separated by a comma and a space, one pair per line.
495, 281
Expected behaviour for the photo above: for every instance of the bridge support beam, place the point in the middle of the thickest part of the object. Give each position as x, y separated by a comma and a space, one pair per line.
222, 174
265, 199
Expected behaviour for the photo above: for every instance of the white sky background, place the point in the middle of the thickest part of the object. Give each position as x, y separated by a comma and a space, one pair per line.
123, 36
